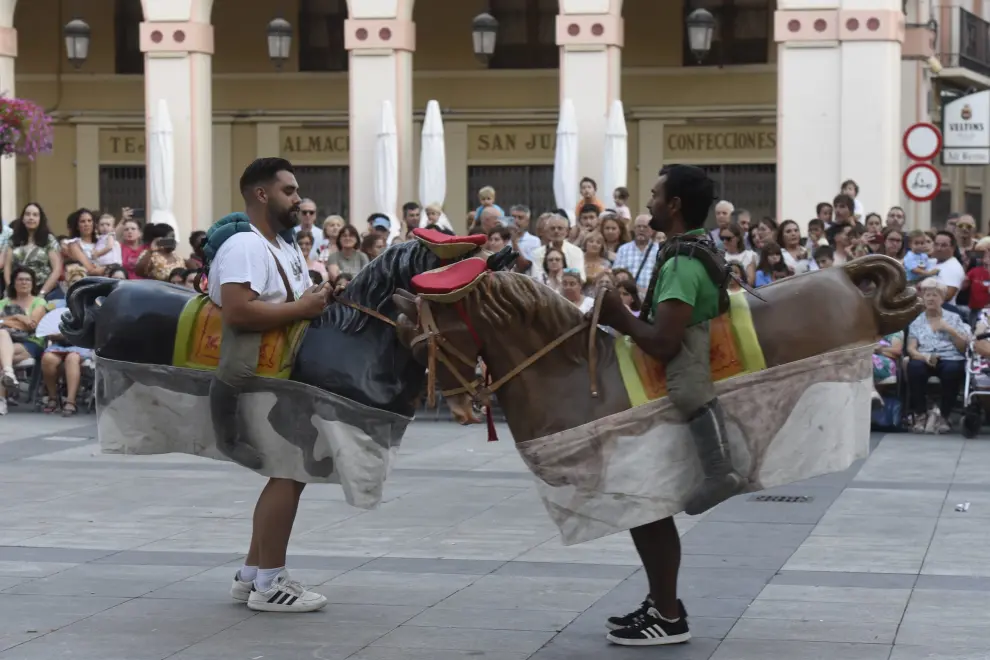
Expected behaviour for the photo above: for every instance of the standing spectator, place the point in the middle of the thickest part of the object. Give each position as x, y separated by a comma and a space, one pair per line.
639, 255
824, 256
160, 259
557, 228
766, 228
936, 344
723, 216
498, 238
874, 232
372, 245
630, 296
131, 247
523, 242
918, 264
965, 240
5, 233
307, 218
486, 196
20, 311
82, 241
331, 227
895, 218
843, 205
816, 235
348, 258
732, 239
621, 198
840, 236
616, 234
893, 243
950, 271
32, 245
978, 280
851, 188
412, 213
589, 195
744, 219
795, 255
107, 251
62, 355
595, 261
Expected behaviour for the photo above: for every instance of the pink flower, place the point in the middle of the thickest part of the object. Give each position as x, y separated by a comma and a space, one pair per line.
25, 129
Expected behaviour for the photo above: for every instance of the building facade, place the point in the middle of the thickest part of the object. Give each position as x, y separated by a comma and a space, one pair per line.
780, 111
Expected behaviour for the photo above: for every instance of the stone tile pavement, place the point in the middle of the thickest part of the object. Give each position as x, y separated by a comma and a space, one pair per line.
127, 558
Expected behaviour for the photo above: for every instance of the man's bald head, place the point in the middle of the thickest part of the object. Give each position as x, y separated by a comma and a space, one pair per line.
489, 219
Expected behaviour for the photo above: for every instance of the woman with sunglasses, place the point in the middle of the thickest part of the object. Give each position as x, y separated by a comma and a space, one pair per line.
736, 252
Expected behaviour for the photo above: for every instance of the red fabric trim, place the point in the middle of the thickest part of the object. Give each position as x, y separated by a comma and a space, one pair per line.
450, 278
440, 238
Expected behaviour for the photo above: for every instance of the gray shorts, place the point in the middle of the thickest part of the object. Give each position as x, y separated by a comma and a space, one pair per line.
689, 374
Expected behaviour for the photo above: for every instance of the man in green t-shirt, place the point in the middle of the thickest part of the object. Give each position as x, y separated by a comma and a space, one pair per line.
674, 329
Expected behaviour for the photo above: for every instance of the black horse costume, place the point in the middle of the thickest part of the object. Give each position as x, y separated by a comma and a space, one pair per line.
338, 416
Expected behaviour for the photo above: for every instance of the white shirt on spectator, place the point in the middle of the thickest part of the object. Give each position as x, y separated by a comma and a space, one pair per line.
586, 305
744, 258
528, 244
573, 256
248, 258
951, 273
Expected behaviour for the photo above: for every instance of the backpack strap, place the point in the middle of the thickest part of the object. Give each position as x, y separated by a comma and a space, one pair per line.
289, 295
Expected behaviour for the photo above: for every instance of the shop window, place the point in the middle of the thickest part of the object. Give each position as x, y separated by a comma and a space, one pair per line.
742, 32
527, 34
122, 185
127, 19
750, 187
321, 35
941, 208
531, 185
329, 187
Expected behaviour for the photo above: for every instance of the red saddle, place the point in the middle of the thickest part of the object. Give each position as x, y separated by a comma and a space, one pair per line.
446, 246
450, 283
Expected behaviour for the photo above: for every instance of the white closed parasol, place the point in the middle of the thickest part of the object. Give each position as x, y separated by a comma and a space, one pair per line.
387, 169
161, 166
616, 150
565, 163
433, 164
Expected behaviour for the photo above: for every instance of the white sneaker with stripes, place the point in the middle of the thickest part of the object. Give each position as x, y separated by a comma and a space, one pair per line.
240, 590
285, 595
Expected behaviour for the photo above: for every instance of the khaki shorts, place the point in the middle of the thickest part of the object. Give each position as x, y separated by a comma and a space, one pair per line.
689, 374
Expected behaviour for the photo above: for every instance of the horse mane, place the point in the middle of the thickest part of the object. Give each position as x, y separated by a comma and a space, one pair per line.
505, 300
375, 283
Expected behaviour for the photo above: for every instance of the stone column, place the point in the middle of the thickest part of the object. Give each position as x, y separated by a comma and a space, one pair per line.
8, 53
177, 39
838, 102
590, 36
381, 39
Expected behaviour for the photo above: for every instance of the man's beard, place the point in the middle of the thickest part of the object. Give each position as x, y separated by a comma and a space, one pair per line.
285, 219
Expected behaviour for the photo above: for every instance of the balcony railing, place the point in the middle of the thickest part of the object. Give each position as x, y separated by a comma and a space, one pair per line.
971, 47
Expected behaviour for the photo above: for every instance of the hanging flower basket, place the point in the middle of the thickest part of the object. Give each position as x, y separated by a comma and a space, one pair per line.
25, 129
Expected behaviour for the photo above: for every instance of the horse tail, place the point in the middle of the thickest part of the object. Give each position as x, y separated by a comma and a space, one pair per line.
83, 302
895, 304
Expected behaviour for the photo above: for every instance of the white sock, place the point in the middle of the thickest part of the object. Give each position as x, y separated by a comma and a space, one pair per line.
247, 573
263, 581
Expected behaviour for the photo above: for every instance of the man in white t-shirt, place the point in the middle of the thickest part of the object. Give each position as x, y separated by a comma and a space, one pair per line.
247, 280
950, 272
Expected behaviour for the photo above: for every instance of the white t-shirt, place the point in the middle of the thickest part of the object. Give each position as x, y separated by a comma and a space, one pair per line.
951, 273
744, 258
248, 258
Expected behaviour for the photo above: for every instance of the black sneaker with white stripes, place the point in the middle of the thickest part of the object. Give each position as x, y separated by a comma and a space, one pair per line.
285, 595
620, 622
651, 629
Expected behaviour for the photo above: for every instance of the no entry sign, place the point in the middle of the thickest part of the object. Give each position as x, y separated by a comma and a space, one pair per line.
922, 141
921, 182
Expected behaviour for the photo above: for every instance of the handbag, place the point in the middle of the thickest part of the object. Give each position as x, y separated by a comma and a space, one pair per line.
888, 417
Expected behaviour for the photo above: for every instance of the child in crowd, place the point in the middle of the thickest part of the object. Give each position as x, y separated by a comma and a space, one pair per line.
917, 263
621, 198
979, 279
106, 252
824, 256
772, 266
816, 234
487, 198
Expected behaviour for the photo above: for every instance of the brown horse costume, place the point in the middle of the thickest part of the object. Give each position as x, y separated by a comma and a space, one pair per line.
568, 407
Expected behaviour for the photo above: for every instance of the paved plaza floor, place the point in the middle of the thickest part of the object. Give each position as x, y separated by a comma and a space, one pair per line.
130, 558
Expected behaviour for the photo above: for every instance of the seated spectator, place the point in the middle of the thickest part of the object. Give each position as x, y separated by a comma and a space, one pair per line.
197, 240
571, 288
886, 353
62, 355
936, 345
82, 243
107, 251
824, 256
304, 239
348, 258
553, 267
132, 248
190, 281
20, 312
177, 276
772, 266
629, 293
160, 259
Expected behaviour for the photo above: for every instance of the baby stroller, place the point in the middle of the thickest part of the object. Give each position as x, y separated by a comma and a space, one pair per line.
977, 386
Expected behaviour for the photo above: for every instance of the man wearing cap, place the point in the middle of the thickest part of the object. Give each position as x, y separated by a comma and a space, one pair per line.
380, 224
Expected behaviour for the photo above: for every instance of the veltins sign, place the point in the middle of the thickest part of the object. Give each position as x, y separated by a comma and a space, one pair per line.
966, 130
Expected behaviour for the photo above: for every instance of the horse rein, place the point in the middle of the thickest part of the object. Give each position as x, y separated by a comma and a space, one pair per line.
440, 349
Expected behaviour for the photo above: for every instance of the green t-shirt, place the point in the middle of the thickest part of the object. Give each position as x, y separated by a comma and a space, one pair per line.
685, 279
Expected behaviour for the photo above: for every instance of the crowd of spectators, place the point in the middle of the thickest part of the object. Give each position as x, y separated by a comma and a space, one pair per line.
569, 251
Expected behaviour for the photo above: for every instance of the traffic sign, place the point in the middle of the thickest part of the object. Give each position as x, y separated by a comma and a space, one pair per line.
921, 182
922, 141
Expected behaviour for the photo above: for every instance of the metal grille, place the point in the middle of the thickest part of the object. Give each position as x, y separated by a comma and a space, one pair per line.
328, 186
120, 186
750, 187
531, 185
783, 499
321, 35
